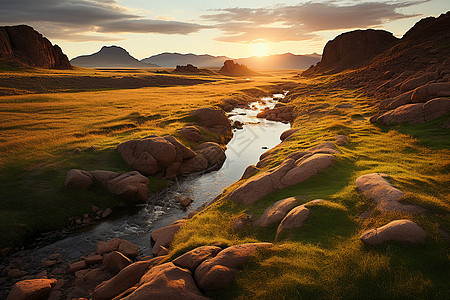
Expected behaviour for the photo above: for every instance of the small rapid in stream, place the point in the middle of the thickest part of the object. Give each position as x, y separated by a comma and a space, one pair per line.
256, 137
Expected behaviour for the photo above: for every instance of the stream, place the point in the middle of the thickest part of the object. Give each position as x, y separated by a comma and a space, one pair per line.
256, 137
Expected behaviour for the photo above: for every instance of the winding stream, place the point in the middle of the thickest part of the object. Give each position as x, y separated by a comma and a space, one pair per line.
244, 149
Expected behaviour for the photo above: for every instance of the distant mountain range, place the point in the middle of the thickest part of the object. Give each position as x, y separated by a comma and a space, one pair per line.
117, 57
279, 61
110, 57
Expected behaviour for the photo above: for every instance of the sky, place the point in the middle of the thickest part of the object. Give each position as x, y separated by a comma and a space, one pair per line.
236, 28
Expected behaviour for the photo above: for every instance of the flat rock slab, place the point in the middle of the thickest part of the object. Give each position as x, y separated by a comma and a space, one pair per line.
400, 230
375, 186
218, 272
34, 289
276, 212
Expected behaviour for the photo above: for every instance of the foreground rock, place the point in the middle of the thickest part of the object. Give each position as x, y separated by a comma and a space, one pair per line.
376, 187
276, 212
192, 259
218, 272
296, 168
34, 289
400, 230
126, 278
166, 281
131, 186
163, 237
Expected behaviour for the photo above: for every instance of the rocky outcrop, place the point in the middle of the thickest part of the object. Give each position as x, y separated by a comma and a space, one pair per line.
376, 187
230, 68
400, 230
22, 43
33, 289
283, 114
192, 259
296, 168
169, 157
416, 113
352, 49
131, 186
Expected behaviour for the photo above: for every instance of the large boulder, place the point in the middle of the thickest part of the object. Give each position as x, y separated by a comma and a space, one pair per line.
166, 281
294, 219
22, 43
304, 169
126, 278
400, 230
33, 289
116, 261
213, 119
190, 134
375, 186
196, 164
276, 212
79, 178
218, 272
163, 237
430, 91
287, 133
213, 153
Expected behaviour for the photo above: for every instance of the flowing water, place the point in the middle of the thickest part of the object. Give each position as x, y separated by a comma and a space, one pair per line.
243, 150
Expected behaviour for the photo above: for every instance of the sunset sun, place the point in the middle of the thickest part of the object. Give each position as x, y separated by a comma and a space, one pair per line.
260, 49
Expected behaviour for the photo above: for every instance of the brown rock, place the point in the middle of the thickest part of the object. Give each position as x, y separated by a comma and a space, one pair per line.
125, 247
78, 178
132, 186
276, 212
288, 133
93, 259
306, 168
184, 201
400, 230
33, 289
166, 281
185, 152
106, 212
374, 186
192, 259
256, 187
430, 91
191, 134
294, 219
213, 153
116, 261
341, 140
196, 164
436, 108
412, 83
76, 266
214, 119
125, 279
14, 273
218, 272
249, 172
164, 236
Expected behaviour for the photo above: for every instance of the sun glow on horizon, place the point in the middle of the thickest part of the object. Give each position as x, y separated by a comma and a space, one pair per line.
260, 49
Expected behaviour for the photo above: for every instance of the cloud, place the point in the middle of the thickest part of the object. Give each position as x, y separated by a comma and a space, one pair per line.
302, 21
76, 20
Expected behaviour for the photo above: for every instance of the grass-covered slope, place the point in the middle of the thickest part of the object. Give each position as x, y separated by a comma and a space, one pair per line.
325, 258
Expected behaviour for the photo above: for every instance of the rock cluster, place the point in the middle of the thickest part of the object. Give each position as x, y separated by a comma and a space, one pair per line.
132, 185
283, 114
296, 168
22, 43
213, 119
168, 157
230, 68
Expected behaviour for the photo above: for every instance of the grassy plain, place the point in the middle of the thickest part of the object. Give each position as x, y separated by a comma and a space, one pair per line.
323, 259
38, 133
